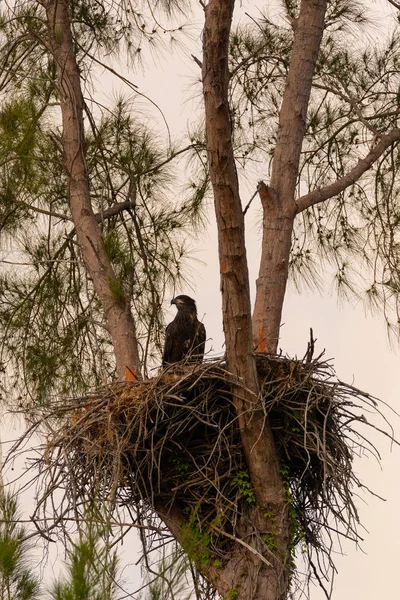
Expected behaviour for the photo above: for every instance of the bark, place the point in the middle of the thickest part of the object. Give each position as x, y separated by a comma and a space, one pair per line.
278, 200
246, 574
230, 221
119, 320
256, 435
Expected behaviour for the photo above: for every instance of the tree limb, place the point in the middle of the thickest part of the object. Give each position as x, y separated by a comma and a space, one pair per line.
109, 290
349, 99
278, 200
256, 435
352, 176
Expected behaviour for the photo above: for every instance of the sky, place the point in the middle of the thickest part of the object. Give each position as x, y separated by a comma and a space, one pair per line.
356, 342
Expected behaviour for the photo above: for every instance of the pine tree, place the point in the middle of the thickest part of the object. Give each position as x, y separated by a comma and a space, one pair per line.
90, 214
17, 580
91, 566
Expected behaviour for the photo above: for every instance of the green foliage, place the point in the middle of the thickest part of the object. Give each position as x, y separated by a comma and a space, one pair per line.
48, 331
296, 529
271, 541
91, 567
245, 489
182, 466
53, 336
232, 594
169, 578
17, 581
195, 539
112, 243
116, 289
110, 28
195, 543
354, 100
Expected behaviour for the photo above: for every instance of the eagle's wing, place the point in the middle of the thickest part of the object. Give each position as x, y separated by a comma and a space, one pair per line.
184, 340
200, 340
168, 346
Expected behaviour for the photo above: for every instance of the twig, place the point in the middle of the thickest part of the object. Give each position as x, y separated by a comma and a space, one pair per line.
246, 208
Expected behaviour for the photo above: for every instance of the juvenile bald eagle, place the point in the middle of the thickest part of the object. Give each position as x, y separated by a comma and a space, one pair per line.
185, 336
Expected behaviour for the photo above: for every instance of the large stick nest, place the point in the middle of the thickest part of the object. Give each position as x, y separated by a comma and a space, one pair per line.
174, 440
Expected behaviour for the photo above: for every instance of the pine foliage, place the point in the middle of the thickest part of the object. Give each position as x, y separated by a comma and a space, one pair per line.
54, 339
53, 336
354, 102
17, 579
91, 566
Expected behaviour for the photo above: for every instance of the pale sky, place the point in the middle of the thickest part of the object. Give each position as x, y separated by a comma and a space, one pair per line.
357, 343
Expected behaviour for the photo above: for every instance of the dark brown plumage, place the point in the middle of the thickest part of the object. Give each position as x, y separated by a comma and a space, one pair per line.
185, 336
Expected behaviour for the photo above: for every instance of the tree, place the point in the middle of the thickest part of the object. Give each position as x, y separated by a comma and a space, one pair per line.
322, 117
16, 578
91, 565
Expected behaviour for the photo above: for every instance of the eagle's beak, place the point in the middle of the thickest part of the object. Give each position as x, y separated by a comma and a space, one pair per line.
173, 301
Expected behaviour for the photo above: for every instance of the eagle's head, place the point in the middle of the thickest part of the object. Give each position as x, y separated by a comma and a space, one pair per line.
185, 303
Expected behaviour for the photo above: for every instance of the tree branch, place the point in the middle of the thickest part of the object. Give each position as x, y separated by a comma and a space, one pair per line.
349, 99
131, 85
230, 221
43, 211
109, 290
352, 176
256, 435
112, 211
278, 200
173, 155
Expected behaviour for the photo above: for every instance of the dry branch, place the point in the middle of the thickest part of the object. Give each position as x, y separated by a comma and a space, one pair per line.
175, 440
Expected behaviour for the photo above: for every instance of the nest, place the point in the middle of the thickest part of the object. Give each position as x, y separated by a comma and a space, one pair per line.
174, 440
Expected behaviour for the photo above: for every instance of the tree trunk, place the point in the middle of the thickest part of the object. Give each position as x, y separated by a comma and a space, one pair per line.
119, 320
250, 572
258, 444
230, 221
278, 201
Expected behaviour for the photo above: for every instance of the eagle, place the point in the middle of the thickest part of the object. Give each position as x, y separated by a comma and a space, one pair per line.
185, 336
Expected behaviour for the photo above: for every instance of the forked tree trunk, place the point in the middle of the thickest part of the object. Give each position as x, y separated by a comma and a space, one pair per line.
278, 200
259, 571
119, 320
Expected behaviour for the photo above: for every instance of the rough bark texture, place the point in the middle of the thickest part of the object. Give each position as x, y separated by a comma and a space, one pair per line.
120, 323
230, 221
245, 573
278, 201
245, 576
